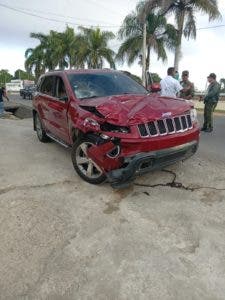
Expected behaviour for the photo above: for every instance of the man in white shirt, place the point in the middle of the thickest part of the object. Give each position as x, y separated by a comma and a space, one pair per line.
170, 87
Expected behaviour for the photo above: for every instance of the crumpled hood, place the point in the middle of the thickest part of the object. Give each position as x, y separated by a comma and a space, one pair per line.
136, 109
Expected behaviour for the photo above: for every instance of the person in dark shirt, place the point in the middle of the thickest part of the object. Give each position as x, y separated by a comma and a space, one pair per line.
210, 100
2, 95
188, 87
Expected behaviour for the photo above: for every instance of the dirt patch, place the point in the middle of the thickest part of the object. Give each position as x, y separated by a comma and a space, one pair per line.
20, 112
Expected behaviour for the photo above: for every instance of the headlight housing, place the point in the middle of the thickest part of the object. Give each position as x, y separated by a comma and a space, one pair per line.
193, 114
91, 124
114, 128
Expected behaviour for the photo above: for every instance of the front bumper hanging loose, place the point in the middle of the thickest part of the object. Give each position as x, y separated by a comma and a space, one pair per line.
145, 162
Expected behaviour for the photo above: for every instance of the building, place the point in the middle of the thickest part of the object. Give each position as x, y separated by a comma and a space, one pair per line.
17, 84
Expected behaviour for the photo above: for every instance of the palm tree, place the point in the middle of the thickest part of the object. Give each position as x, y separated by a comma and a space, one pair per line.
56, 49
35, 61
160, 36
184, 12
64, 46
222, 83
93, 48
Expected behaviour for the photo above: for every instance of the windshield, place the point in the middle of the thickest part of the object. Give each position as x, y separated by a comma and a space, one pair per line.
104, 84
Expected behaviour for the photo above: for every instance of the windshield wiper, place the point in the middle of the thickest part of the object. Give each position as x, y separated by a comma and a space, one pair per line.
90, 97
129, 93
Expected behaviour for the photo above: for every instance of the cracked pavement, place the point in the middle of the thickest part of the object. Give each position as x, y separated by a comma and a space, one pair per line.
61, 238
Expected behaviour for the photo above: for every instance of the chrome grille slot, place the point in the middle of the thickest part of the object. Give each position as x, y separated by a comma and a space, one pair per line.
184, 122
166, 126
189, 121
161, 126
177, 124
142, 129
170, 126
152, 128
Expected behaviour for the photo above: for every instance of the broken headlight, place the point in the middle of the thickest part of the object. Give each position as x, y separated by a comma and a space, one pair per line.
114, 128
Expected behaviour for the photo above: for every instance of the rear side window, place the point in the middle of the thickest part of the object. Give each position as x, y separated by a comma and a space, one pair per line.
47, 86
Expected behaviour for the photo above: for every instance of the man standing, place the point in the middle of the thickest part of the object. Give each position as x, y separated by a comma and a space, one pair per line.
188, 87
210, 100
2, 94
170, 87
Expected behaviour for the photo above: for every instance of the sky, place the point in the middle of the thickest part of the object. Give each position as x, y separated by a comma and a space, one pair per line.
201, 56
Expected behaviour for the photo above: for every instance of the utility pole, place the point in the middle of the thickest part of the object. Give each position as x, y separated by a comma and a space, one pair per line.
144, 54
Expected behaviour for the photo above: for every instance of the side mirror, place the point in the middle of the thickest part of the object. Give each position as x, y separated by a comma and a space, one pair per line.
154, 88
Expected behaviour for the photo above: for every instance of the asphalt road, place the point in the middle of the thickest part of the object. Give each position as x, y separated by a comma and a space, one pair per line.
212, 145
61, 238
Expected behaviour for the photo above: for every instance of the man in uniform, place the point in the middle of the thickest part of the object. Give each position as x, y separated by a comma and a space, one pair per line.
2, 94
210, 100
188, 87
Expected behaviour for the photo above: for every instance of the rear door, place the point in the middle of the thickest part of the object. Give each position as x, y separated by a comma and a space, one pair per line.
45, 94
57, 110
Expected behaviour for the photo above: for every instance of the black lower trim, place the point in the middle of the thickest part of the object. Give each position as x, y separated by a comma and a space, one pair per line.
145, 162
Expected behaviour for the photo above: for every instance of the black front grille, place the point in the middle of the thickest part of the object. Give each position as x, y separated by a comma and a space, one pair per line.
166, 126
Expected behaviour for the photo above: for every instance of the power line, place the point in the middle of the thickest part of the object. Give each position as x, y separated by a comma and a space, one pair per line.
30, 13
53, 19
211, 27
60, 15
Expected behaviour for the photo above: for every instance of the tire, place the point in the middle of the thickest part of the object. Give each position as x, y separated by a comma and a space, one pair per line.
41, 134
24, 97
85, 167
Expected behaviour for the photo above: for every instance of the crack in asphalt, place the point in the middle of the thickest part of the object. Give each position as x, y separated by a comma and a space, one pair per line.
22, 187
172, 184
176, 184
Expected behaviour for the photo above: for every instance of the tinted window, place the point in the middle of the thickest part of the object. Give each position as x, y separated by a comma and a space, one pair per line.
60, 88
103, 84
47, 86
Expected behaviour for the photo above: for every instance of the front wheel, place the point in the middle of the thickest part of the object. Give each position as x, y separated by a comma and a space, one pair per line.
86, 168
41, 134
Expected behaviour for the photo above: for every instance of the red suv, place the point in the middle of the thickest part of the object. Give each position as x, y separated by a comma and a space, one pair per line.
115, 127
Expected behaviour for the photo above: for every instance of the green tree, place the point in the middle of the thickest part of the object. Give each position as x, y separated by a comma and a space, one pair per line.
185, 16
155, 77
56, 49
135, 77
35, 61
160, 36
23, 75
5, 77
222, 83
93, 48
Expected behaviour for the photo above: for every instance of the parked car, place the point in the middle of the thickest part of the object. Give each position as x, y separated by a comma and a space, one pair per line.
114, 126
27, 92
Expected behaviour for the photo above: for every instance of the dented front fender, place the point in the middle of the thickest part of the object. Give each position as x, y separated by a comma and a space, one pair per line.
99, 154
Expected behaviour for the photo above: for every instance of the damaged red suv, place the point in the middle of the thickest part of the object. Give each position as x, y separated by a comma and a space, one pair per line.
115, 127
